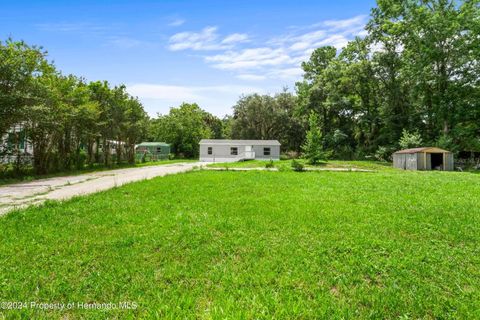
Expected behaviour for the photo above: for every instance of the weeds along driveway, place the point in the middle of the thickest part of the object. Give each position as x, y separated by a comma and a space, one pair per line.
21, 195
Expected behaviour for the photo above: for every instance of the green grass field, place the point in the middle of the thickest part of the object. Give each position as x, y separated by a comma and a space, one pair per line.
243, 245
286, 165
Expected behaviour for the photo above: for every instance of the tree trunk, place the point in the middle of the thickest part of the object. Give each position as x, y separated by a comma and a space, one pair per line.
90, 153
119, 151
106, 152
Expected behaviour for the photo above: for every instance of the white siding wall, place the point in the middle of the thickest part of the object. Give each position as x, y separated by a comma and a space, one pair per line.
274, 152
221, 153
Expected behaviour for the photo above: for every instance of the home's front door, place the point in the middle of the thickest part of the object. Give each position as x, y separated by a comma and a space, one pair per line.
249, 152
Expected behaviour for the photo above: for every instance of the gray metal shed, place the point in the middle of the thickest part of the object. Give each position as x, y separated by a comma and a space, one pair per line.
425, 158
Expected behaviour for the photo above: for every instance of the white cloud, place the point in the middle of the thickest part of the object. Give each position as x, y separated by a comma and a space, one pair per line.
337, 40
362, 33
176, 22
251, 77
249, 58
159, 98
203, 40
235, 38
305, 41
355, 22
287, 74
332, 32
277, 58
206, 39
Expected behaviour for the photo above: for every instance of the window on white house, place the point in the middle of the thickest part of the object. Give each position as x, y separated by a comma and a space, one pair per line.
234, 151
159, 149
210, 150
266, 151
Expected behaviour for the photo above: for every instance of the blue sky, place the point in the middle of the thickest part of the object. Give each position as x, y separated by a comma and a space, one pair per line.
166, 52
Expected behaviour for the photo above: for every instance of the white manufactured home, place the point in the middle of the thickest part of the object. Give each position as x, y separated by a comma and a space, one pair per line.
216, 150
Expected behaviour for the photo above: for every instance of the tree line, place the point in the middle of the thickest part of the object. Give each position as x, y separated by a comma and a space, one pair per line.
69, 123
416, 72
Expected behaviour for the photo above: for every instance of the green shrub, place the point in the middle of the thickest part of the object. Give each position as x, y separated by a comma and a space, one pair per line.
297, 166
270, 164
383, 154
171, 156
410, 140
313, 147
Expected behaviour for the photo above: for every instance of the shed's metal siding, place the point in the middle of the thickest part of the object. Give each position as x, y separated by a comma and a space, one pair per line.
411, 161
429, 161
399, 160
449, 162
421, 161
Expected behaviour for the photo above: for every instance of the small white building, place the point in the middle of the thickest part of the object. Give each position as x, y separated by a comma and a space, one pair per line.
212, 150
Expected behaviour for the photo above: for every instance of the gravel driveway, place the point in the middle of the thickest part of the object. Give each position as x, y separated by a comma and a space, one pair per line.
21, 195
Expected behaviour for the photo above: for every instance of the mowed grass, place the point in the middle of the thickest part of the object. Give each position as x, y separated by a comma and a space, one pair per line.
286, 165
244, 245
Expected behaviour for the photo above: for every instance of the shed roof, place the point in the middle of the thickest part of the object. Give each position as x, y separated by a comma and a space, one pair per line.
424, 149
240, 142
153, 144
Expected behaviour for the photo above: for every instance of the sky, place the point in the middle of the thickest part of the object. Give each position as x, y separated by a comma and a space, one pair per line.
169, 52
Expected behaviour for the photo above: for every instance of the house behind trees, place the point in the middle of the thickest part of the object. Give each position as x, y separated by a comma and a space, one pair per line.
15, 144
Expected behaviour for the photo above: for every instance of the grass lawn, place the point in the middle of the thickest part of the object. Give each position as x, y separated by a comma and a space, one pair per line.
31, 176
285, 165
206, 244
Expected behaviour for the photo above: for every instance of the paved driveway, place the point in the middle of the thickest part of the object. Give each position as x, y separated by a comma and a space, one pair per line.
60, 188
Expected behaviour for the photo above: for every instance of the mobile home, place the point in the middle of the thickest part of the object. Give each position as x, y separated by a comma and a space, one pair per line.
212, 150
